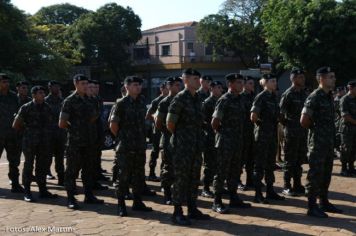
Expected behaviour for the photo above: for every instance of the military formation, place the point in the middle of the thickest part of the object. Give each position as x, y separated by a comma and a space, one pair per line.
197, 127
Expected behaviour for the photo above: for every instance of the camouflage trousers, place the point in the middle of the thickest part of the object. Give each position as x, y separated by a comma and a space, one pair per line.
186, 169
209, 161
79, 158
167, 175
56, 150
295, 152
11, 143
130, 172
320, 168
348, 145
247, 159
156, 136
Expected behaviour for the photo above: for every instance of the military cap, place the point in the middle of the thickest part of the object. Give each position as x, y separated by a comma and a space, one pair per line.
80, 77
233, 76
323, 70
352, 83
297, 71
133, 79
338, 89
4, 76
163, 84
37, 88
20, 83
53, 82
268, 76
247, 78
191, 71
171, 80
207, 77
215, 83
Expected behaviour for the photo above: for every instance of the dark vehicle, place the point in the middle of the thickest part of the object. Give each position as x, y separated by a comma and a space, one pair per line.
109, 139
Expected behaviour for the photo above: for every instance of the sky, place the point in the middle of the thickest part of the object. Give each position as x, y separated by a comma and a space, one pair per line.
153, 13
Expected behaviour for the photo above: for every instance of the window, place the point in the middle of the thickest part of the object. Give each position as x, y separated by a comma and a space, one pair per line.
166, 50
190, 46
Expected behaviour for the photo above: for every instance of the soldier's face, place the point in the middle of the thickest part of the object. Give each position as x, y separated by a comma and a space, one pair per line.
300, 80
39, 96
96, 89
164, 91
4, 85
329, 80
22, 90
250, 85
81, 86
205, 84
352, 90
217, 90
54, 89
194, 81
237, 85
175, 87
134, 88
90, 90
271, 84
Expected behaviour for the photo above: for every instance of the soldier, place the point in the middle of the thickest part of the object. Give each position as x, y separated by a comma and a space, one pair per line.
248, 137
318, 116
228, 120
295, 148
127, 122
209, 152
340, 92
35, 118
203, 91
264, 114
78, 117
156, 134
57, 135
9, 141
348, 130
167, 175
185, 121
22, 92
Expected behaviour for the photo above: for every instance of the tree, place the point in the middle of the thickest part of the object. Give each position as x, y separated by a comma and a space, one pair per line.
65, 14
312, 33
104, 37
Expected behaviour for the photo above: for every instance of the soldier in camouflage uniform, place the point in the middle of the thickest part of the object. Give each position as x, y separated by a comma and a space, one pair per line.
57, 135
203, 91
265, 113
35, 118
248, 137
228, 120
174, 86
318, 116
209, 152
22, 92
156, 134
348, 130
185, 122
78, 117
295, 148
9, 140
340, 92
127, 122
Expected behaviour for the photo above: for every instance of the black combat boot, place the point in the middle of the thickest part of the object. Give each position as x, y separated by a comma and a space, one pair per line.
288, 191
16, 187
178, 217
138, 205
121, 207
72, 202
236, 202
344, 171
326, 206
218, 206
352, 169
60, 180
91, 199
167, 196
259, 198
298, 187
195, 213
314, 210
147, 191
206, 191
152, 176
271, 194
28, 195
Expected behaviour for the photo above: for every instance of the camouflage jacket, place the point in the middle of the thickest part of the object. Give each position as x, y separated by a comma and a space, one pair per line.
9, 105
55, 103
153, 108
24, 100
202, 94
248, 100
162, 112
208, 110
347, 107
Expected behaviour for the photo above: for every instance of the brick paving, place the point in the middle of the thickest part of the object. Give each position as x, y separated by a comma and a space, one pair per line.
51, 217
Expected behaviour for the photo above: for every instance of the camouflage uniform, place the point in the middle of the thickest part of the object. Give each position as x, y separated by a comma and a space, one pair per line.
209, 152
338, 121
266, 106
9, 139
156, 136
167, 176
129, 114
80, 114
202, 94
319, 107
23, 100
36, 119
230, 111
348, 132
57, 137
295, 149
185, 111
248, 138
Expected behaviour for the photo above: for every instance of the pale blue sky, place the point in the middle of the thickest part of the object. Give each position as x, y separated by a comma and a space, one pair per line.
153, 13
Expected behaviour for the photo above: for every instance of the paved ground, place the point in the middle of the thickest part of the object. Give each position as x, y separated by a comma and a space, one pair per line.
286, 218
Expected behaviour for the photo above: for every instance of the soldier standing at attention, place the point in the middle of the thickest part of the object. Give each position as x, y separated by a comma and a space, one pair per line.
264, 114
318, 116
35, 118
228, 120
209, 152
22, 92
156, 134
348, 130
127, 122
167, 176
340, 92
248, 136
204, 90
77, 116
57, 135
185, 122
295, 148
9, 140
